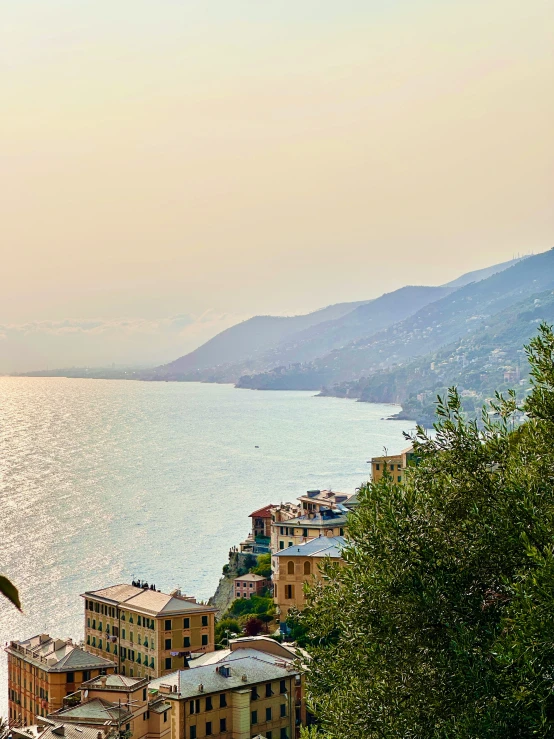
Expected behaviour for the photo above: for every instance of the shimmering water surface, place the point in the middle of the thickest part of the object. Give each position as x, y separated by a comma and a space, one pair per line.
101, 481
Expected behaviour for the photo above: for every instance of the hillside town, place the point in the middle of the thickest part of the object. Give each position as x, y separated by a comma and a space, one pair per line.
151, 665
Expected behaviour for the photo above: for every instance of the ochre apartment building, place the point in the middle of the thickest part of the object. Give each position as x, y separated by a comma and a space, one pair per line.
299, 564
124, 704
395, 465
238, 693
42, 671
145, 632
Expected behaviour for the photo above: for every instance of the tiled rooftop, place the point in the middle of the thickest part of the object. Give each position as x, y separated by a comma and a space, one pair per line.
323, 546
57, 655
144, 599
245, 670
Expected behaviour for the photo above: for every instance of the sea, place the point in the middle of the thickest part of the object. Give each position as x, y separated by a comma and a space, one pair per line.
105, 481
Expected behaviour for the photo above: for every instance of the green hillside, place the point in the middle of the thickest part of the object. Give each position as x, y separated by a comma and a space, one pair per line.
489, 358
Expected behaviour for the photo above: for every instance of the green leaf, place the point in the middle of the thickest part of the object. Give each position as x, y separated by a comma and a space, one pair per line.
8, 589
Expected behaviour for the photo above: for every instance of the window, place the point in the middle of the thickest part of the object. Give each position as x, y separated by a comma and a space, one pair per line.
283, 710
251, 584
208, 728
283, 734
208, 704
305, 532
107, 646
165, 717
186, 623
115, 649
131, 621
186, 641
167, 624
131, 637
100, 626
223, 700
139, 621
144, 696
341, 532
399, 478
88, 639
192, 733
88, 622
377, 466
268, 690
289, 592
93, 641
283, 686
139, 640
222, 724
99, 643
268, 714
307, 568
168, 644
123, 615
152, 662
254, 719
281, 545
254, 694
291, 543
70, 677
204, 620
290, 568
123, 634
93, 623
168, 663
204, 640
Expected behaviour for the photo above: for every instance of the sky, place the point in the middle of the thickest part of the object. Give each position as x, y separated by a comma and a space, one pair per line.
172, 167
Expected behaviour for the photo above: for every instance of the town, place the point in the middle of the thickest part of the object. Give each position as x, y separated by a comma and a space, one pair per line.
153, 665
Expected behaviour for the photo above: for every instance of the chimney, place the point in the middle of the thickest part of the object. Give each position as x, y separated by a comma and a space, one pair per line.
59, 730
103, 679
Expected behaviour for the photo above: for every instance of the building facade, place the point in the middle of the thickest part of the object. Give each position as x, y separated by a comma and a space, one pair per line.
235, 693
42, 671
122, 704
312, 525
395, 465
145, 632
248, 585
300, 564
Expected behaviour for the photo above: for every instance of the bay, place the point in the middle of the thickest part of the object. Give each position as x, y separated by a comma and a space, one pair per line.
103, 481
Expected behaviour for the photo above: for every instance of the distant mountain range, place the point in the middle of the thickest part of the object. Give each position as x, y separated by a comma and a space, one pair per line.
402, 347
269, 352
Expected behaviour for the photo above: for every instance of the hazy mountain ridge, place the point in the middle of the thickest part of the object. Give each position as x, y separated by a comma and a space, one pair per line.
432, 327
490, 358
247, 340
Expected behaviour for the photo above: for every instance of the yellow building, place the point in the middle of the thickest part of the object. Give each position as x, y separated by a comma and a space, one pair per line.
42, 671
237, 693
394, 465
300, 564
315, 501
120, 703
325, 522
147, 633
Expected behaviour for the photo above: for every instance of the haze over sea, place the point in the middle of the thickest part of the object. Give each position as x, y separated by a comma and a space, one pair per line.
103, 481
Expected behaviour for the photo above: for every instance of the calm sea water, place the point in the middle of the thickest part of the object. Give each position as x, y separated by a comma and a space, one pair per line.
103, 481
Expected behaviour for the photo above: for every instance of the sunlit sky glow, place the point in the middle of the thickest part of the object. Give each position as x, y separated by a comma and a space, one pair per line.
238, 157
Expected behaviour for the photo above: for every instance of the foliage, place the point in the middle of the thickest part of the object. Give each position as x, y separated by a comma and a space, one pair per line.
256, 604
253, 626
263, 566
441, 623
226, 625
311, 732
8, 589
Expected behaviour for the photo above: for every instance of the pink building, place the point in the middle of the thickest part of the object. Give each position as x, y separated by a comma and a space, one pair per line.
249, 584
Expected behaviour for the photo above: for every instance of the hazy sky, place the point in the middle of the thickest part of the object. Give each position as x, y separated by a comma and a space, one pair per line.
172, 157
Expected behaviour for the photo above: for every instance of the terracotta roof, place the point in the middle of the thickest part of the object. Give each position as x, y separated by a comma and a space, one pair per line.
263, 512
146, 600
